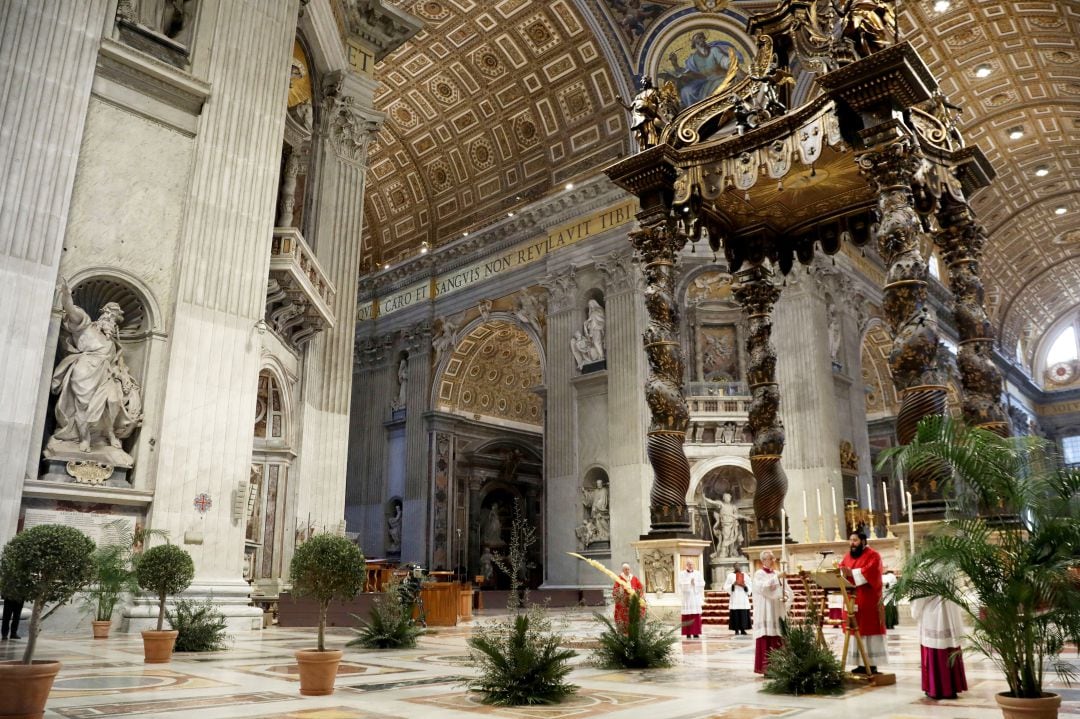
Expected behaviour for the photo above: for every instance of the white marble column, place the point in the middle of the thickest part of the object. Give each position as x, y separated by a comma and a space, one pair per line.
327, 380
209, 411
807, 403
47, 51
628, 416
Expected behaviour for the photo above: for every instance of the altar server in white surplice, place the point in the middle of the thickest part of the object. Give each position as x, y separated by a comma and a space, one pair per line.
692, 591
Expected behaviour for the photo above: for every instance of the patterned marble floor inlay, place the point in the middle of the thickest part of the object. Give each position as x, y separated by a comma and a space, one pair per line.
256, 678
166, 705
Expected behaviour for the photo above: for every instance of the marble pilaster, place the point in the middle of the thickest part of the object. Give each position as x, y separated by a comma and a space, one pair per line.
327, 381
417, 459
561, 481
210, 396
630, 471
373, 388
47, 50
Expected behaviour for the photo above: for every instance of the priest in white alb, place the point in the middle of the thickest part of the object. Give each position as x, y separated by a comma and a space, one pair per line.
770, 606
692, 591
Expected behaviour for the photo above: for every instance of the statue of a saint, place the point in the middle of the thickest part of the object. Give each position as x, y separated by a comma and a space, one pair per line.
529, 311
650, 111
444, 339
99, 403
403, 384
726, 526
487, 565
596, 504
834, 336
580, 349
491, 528
393, 530
594, 330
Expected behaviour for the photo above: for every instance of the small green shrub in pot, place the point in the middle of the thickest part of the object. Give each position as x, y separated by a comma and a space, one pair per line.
112, 577
201, 626
46, 565
164, 570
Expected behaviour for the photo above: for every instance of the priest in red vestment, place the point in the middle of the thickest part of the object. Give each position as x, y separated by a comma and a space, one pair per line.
622, 597
861, 567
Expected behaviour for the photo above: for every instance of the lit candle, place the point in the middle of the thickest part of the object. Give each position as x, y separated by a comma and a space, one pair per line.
819, 512
870, 496
885, 496
805, 514
904, 506
833, 490
910, 525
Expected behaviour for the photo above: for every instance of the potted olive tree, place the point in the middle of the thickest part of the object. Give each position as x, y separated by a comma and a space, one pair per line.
1011, 572
45, 565
326, 567
163, 570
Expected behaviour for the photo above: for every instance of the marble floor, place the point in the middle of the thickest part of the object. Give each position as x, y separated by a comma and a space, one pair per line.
256, 677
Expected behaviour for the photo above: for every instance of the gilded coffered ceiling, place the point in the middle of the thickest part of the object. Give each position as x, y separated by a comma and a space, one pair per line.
1029, 54
497, 102
492, 105
493, 374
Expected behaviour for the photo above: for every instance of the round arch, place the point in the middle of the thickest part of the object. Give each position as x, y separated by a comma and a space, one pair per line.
700, 470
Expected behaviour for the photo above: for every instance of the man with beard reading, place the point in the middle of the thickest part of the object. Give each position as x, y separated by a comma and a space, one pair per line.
861, 567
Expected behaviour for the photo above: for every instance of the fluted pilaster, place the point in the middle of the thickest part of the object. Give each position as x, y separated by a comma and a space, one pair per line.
209, 406
417, 459
47, 51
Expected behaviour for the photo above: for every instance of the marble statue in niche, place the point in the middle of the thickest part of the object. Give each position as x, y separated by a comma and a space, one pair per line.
393, 528
594, 328
491, 528
834, 337
596, 526
726, 526
99, 402
487, 565
403, 384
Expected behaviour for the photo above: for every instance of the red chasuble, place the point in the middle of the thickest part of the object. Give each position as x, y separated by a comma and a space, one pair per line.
622, 600
869, 611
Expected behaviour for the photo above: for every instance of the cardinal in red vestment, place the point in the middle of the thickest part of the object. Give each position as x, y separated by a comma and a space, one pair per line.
861, 567
622, 597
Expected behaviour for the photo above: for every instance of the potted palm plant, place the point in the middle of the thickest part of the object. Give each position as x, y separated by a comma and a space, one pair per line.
45, 565
112, 578
325, 567
163, 570
1010, 572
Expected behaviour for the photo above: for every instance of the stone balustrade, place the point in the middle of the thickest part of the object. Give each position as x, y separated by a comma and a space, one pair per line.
299, 296
718, 413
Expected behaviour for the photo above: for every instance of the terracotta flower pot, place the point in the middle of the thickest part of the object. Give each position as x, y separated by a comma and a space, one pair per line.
25, 688
1045, 707
101, 629
158, 646
318, 670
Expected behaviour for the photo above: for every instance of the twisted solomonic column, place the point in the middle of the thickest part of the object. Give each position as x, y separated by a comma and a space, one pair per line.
962, 239
756, 293
658, 244
917, 366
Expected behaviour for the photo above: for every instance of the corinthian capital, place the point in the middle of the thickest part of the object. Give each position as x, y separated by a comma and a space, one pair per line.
348, 126
562, 291
619, 272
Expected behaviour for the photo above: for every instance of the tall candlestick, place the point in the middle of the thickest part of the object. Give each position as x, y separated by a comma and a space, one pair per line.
783, 535
888, 514
910, 525
820, 516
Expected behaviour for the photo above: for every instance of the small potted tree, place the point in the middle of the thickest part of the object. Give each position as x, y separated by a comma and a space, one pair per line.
162, 571
111, 579
1010, 572
45, 565
326, 567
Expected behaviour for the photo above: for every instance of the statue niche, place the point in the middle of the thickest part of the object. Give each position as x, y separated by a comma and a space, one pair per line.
98, 399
